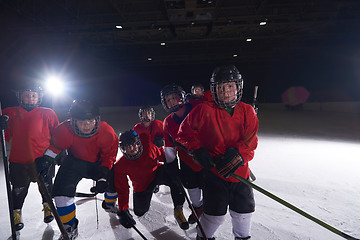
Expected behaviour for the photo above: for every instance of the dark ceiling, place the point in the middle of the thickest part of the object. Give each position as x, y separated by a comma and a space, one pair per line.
195, 32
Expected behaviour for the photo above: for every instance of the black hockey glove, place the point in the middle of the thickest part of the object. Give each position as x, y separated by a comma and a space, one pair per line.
229, 162
100, 187
159, 141
45, 166
4, 122
203, 157
126, 219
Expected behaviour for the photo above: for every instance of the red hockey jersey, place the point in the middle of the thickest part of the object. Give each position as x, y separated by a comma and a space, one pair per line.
171, 128
215, 129
29, 132
155, 128
140, 171
103, 146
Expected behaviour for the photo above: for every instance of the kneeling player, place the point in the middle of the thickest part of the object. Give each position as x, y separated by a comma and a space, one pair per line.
141, 163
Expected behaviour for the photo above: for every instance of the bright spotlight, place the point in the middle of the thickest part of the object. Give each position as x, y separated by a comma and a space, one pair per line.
54, 85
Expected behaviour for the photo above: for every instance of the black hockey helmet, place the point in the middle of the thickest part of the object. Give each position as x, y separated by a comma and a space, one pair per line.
128, 138
170, 89
84, 110
145, 109
29, 86
225, 74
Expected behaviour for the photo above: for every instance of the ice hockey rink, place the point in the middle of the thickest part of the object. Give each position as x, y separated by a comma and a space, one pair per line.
310, 158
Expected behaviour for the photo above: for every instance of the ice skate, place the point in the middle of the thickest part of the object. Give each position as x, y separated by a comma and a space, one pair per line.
180, 218
113, 208
18, 220
48, 215
72, 231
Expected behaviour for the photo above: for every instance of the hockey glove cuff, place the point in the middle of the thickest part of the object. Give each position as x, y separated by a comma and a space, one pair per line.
126, 219
4, 122
229, 162
203, 157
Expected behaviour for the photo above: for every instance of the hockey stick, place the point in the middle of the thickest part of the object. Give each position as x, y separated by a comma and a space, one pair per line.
192, 209
292, 207
80, 194
138, 231
51, 203
252, 175
8, 186
96, 207
195, 215
255, 99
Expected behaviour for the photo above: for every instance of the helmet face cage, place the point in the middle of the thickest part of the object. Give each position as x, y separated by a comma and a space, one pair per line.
222, 75
84, 110
130, 138
78, 132
170, 89
143, 112
29, 106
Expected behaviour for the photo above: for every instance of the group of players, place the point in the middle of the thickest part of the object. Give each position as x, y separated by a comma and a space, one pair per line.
206, 138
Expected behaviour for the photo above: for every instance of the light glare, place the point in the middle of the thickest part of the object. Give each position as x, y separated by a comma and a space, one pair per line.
54, 85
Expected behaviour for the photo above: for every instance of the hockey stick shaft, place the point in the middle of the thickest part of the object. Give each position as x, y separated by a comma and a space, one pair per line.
8, 186
138, 231
192, 210
80, 194
255, 94
254, 105
196, 217
96, 208
292, 207
51, 205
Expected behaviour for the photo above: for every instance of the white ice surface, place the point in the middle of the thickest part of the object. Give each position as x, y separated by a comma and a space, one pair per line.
310, 159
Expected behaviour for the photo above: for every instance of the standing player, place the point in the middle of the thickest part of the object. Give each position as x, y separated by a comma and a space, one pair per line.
173, 101
149, 125
141, 163
29, 130
92, 146
223, 133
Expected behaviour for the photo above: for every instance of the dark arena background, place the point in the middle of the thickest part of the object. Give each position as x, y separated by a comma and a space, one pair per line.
122, 52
